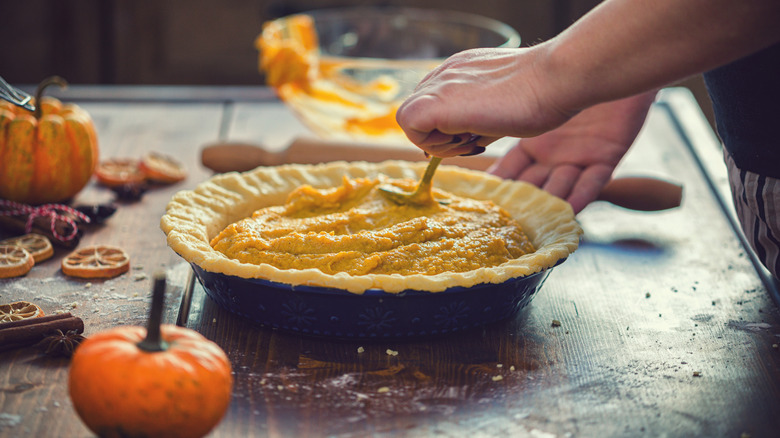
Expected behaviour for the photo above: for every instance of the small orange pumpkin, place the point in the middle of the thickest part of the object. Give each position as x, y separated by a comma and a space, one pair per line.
166, 381
46, 156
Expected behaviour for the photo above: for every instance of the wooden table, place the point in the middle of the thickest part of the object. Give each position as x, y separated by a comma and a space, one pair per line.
667, 326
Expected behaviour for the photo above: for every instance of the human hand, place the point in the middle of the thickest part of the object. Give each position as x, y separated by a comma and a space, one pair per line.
490, 93
576, 160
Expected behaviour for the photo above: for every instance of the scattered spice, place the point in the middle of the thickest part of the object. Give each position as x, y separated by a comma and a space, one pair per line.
97, 213
31, 331
61, 344
130, 192
697, 374
647, 294
556, 323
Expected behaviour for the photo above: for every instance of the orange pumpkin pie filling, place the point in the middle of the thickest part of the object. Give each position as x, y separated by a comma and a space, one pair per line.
294, 216
353, 229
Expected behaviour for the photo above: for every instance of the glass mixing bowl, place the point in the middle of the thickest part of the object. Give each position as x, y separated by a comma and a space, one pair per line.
344, 72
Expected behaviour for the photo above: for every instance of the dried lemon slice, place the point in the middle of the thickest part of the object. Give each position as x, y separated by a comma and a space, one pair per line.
19, 310
100, 261
162, 168
37, 245
14, 261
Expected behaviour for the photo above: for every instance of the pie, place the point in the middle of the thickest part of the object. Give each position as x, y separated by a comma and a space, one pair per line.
198, 223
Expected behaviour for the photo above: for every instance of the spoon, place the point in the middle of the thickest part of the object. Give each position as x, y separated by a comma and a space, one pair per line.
421, 195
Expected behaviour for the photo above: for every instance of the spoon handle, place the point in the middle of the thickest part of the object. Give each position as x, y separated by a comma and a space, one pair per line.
427, 177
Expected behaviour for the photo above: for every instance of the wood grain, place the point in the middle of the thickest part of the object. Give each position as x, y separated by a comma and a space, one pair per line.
666, 329
33, 387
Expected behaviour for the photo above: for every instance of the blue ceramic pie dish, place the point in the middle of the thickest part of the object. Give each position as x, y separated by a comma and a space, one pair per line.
369, 306
374, 314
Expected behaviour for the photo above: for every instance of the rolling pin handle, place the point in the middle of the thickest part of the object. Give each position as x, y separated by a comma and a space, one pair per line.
642, 193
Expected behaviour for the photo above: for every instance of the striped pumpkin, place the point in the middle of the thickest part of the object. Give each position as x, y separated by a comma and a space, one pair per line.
47, 156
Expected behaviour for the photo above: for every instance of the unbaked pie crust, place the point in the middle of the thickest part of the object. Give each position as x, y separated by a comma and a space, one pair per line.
194, 217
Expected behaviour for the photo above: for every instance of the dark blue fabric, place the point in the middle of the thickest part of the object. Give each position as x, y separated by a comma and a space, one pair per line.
746, 100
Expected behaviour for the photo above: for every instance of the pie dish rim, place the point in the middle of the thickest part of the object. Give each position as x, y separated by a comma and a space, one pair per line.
194, 217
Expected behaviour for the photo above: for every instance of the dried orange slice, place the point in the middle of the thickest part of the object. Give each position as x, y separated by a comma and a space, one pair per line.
19, 310
37, 245
14, 261
100, 261
162, 168
119, 172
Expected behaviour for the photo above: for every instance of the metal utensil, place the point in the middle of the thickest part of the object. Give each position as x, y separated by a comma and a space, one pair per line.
15, 96
421, 195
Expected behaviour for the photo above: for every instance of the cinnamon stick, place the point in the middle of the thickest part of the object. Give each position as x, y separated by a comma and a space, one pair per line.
30, 331
42, 225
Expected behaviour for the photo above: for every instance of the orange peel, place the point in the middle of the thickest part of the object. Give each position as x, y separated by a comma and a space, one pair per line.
15, 261
19, 310
99, 261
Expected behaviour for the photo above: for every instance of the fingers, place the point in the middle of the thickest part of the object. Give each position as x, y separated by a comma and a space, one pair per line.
512, 163
588, 186
536, 174
475, 151
417, 116
577, 185
562, 180
458, 145
437, 138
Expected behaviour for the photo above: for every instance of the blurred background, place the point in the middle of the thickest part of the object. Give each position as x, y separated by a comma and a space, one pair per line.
204, 42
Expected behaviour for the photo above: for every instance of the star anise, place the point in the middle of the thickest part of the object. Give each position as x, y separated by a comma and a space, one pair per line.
130, 192
61, 344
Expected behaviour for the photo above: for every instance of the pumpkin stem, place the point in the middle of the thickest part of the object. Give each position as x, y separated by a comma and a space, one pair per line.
52, 80
154, 341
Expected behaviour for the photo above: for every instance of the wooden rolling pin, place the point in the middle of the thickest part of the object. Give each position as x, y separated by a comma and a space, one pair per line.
635, 193
240, 157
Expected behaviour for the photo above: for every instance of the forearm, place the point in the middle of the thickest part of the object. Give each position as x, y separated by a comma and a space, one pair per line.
624, 47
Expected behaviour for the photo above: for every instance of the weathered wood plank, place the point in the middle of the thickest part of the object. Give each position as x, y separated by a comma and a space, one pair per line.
33, 388
647, 301
665, 330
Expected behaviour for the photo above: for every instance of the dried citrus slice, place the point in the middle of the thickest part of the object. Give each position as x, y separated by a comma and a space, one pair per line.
19, 310
162, 168
37, 245
14, 261
100, 261
119, 171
